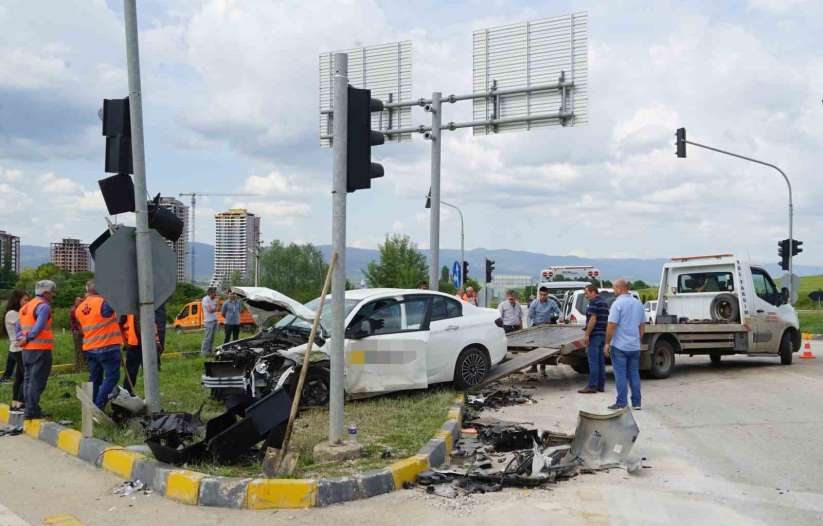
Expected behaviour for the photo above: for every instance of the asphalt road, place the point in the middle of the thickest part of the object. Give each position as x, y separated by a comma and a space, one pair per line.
734, 444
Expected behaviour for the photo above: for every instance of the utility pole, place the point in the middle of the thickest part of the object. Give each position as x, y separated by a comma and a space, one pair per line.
434, 235
145, 271
462, 244
338, 287
256, 253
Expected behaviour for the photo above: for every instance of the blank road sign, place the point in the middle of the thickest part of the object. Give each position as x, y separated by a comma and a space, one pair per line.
529, 54
385, 69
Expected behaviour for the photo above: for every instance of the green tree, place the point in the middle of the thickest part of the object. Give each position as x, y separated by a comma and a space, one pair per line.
294, 270
401, 265
639, 284
237, 279
444, 273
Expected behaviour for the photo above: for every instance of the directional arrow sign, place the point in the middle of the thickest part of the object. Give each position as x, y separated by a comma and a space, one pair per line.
115, 270
456, 270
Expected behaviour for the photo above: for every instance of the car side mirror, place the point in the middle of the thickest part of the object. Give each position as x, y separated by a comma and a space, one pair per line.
359, 330
784, 296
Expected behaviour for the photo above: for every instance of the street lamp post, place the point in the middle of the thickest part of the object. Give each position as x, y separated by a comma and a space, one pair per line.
770, 165
462, 239
256, 253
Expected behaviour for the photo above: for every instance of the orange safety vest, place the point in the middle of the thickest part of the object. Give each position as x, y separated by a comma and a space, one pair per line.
132, 334
131, 331
44, 340
98, 332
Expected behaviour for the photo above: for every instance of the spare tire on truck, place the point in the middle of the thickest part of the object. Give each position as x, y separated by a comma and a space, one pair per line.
725, 307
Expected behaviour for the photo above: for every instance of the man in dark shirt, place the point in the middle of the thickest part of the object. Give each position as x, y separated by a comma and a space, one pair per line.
597, 318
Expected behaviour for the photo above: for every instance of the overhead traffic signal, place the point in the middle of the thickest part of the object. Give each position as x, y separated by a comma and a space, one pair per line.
783, 252
796, 247
465, 271
489, 270
359, 168
681, 142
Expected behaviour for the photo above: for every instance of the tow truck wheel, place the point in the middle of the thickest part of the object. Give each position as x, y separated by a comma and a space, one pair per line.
715, 358
472, 367
786, 349
662, 360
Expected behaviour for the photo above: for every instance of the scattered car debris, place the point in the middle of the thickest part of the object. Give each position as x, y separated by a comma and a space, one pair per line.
10, 430
130, 487
229, 437
497, 454
496, 396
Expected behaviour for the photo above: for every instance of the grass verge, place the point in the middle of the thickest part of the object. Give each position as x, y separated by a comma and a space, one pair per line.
390, 427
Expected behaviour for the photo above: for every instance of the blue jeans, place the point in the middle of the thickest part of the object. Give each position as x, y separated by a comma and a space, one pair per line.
626, 365
597, 361
104, 373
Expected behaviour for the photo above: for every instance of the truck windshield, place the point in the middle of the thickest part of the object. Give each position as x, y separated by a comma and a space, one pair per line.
705, 282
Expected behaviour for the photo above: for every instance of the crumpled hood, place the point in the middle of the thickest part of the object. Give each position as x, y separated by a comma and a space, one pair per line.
263, 303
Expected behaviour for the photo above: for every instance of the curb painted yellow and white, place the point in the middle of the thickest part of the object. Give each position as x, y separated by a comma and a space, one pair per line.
191, 487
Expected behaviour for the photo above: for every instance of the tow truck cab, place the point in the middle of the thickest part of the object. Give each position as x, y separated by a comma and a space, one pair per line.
716, 305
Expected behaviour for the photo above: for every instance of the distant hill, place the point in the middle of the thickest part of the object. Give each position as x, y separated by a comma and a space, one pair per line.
521, 262
518, 262
32, 256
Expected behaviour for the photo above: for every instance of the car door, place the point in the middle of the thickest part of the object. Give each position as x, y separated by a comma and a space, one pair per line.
766, 324
446, 338
386, 345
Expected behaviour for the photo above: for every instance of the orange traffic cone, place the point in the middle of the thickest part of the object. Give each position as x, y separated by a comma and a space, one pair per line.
807, 350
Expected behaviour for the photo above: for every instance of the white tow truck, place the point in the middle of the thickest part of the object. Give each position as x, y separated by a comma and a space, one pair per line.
711, 305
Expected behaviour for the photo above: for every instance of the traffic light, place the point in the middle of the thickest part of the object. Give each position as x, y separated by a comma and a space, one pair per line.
465, 271
796, 247
117, 130
783, 252
681, 142
359, 168
489, 270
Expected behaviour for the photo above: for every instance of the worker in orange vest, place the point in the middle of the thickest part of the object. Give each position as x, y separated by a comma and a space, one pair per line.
101, 343
134, 351
35, 337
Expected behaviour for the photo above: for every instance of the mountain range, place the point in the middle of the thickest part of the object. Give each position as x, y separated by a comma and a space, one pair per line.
517, 262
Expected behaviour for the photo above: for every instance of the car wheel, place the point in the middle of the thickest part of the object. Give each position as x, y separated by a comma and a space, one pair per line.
662, 360
725, 307
786, 349
472, 367
178, 330
316, 388
715, 358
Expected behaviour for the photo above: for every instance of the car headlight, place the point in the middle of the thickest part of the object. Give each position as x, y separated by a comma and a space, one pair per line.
261, 367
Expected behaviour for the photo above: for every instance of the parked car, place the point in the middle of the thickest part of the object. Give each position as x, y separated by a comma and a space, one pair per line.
190, 317
396, 339
575, 304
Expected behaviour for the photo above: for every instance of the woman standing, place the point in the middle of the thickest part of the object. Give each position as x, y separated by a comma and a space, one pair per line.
18, 299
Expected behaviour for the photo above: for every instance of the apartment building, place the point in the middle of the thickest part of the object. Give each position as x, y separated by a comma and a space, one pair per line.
71, 255
10, 251
237, 234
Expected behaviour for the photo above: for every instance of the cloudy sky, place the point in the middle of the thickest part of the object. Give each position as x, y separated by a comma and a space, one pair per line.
230, 100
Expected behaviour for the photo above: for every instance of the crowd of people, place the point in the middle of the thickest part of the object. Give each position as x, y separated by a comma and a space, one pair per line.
103, 342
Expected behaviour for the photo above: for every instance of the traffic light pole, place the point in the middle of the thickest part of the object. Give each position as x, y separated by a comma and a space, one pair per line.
145, 272
434, 241
338, 286
791, 205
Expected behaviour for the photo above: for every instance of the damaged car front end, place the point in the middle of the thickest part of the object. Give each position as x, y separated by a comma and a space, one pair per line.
251, 367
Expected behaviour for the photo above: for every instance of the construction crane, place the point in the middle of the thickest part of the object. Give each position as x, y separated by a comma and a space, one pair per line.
193, 196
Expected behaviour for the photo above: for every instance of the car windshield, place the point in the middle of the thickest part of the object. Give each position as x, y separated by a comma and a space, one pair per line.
293, 321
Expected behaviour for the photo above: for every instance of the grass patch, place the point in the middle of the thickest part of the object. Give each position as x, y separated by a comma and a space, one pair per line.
811, 321
390, 427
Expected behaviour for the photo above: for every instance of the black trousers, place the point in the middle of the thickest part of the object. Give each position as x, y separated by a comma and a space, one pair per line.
11, 361
19, 372
232, 332
37, 366
134, 359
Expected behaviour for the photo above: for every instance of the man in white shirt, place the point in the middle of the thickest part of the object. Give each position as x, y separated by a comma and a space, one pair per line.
209, 306
511, 314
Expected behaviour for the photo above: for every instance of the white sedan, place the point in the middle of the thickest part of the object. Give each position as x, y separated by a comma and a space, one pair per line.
398, 339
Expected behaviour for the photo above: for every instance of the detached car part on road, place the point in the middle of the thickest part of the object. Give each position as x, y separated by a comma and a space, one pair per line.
396, 339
